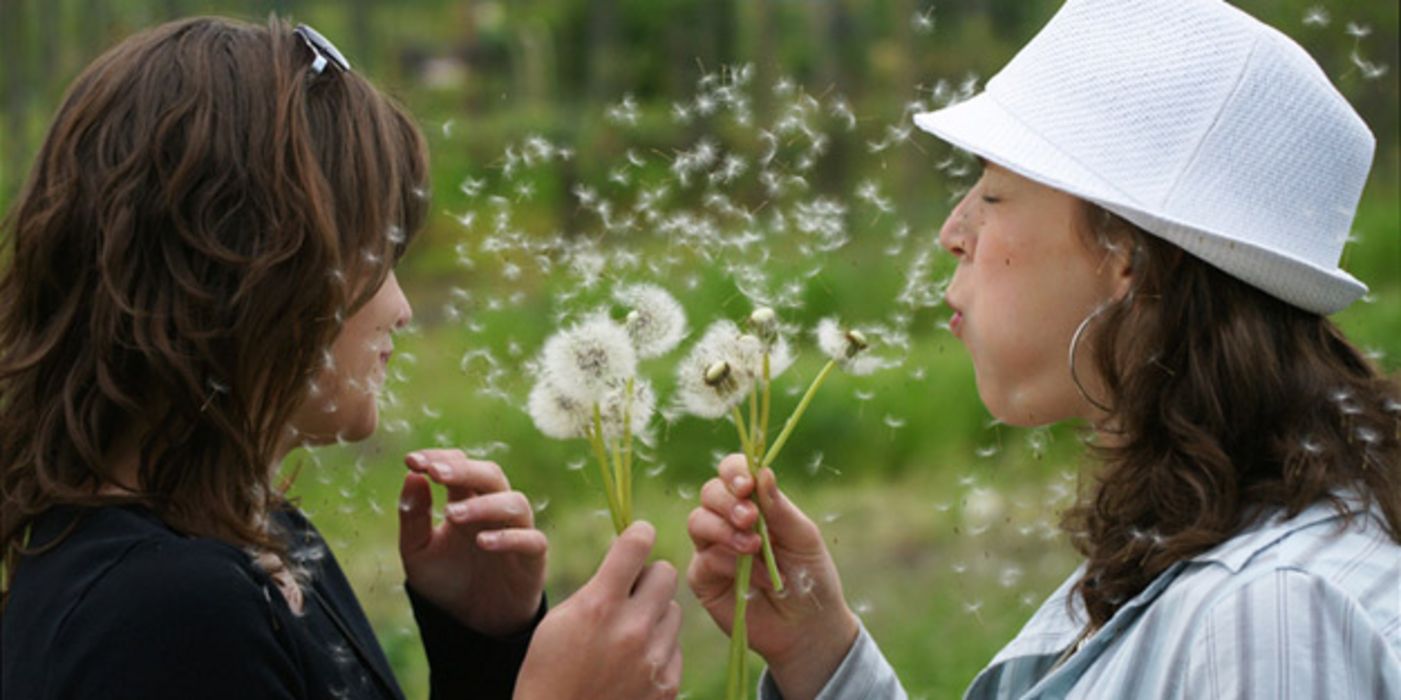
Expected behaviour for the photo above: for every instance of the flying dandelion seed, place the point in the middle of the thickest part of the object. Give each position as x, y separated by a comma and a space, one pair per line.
923, 22
1369, 70
1316, 16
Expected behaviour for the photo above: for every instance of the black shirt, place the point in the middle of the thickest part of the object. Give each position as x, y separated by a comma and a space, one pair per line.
126, 607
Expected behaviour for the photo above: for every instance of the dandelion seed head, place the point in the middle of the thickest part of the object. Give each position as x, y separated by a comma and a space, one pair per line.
639, 411
845, 346
656, 322
555, 414
587, 360
725, 354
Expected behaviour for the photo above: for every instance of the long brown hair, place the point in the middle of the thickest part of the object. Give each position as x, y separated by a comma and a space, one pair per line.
204, 212
1225, 404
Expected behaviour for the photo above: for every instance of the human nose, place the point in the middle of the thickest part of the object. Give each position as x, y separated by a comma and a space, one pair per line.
403, 309
953, 235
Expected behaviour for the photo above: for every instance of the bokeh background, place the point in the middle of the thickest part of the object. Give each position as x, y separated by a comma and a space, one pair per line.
550, 122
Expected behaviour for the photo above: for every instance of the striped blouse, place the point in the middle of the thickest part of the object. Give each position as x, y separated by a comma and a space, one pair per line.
1298, 608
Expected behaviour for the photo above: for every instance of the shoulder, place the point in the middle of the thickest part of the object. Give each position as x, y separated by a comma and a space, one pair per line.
1291, 607
129, 601
192, 580
1344, 557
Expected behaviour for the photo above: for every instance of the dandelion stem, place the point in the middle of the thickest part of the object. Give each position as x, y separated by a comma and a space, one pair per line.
751, 458
754, 436
743, 433
738, 685
762, 440
625, 476
609, 490
792, 421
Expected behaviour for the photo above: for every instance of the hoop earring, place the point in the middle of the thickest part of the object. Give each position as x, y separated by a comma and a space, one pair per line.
1074, 344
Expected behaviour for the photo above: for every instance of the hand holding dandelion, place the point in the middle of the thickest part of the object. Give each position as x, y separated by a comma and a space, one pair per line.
803, 633
726, 369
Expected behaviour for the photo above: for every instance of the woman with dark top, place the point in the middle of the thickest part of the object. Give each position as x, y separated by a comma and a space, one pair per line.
198, 279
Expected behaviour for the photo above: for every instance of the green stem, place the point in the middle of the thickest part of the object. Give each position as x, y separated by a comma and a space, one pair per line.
750, 450
739, 427
625, 476
738, 685
792, 421
609, 490
754, 436
762, 442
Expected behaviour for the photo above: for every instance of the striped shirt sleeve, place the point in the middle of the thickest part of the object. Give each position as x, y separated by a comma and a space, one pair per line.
863, 675
1290, 634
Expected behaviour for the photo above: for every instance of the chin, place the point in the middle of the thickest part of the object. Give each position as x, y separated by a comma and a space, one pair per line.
363, 426
1017, 411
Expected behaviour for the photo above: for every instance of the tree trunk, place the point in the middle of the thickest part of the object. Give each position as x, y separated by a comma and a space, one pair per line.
601, 53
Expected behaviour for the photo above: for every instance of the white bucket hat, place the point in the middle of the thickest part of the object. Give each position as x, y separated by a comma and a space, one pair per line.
1192, 120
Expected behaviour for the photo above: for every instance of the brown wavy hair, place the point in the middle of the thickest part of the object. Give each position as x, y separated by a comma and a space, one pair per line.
203, 214
1225, 404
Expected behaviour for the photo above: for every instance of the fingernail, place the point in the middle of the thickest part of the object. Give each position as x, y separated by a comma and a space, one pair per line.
416, 458
440, 470
457, 510
737, 513
739, 482
489, 539
742, 540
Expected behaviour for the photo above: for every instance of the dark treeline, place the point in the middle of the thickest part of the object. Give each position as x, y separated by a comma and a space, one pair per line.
469, 58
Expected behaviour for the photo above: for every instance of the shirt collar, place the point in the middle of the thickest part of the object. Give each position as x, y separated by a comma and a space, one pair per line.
1272, 527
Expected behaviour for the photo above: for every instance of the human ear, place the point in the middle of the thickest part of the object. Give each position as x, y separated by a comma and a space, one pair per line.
1119, 267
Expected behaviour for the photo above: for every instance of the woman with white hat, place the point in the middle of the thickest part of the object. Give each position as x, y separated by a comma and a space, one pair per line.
1152, 248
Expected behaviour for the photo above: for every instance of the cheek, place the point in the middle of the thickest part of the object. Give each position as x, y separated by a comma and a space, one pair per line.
1019, 340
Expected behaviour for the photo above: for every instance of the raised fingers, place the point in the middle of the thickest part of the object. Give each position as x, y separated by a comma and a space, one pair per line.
462, 476
502, 508
415, 519
526, 541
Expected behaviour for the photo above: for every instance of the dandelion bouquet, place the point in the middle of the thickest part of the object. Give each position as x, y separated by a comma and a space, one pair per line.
588, 387
729, 368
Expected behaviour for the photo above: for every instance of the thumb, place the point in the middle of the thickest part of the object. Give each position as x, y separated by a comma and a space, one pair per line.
415, 514
786, 522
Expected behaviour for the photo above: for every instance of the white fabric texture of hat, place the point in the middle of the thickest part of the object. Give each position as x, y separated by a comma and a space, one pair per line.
1194, 121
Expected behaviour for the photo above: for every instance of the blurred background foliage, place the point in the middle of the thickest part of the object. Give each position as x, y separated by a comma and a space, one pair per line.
942, 521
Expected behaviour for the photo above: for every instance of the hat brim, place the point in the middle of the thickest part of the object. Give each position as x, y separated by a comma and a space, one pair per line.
983, 127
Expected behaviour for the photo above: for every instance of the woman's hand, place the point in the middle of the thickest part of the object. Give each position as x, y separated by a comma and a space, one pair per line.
804, 632
614, 639
485, 563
